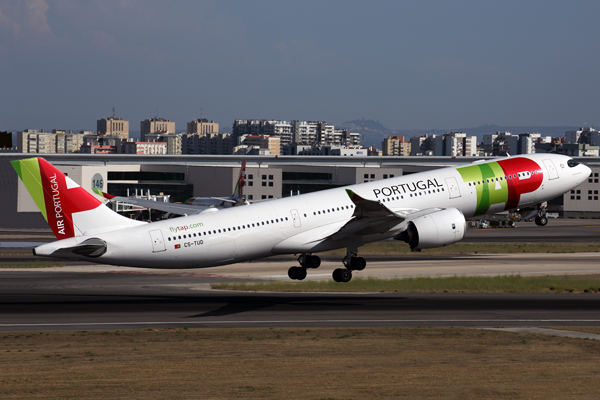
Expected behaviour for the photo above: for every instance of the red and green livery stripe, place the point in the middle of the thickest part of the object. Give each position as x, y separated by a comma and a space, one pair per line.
508, 191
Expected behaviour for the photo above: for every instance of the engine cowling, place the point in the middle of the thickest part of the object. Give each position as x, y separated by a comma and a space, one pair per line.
437, 229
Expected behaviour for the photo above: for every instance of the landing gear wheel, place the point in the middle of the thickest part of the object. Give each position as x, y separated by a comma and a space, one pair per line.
342, 275
297, 273
312, 262
309, 261
357, 263
541, 221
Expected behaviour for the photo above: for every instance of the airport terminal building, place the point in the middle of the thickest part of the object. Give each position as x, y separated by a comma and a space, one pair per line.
267, 177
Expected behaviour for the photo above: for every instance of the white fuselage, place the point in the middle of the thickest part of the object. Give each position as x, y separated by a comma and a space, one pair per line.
306, 223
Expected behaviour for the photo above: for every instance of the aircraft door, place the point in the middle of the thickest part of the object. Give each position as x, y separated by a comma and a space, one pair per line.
158, 242
296, 218
552, 172
453, 189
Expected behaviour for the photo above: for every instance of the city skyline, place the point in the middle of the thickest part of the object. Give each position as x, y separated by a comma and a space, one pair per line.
409, 65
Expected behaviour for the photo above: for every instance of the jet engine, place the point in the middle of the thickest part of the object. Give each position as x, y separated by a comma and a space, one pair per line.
437, 229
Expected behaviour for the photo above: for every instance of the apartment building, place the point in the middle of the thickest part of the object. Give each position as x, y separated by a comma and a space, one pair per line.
202, 126
156, 125
396, 146
57, 141
114, 127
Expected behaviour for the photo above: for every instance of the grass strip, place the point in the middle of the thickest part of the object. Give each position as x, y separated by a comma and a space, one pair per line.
329, 363
455, 284
30, 264
391, 247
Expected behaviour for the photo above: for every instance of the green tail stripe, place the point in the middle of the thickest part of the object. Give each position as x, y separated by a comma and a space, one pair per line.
29, 172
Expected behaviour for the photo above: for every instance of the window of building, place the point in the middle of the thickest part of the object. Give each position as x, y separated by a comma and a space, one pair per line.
271, 184
366, 176
264, 196
250, 183
264, 177
384, 176
270, 177
264, 183
250, 176
270, 196
372, 176
250, 197
578, 197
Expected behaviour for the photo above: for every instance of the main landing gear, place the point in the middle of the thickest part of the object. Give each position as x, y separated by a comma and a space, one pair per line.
351, 263
306, 261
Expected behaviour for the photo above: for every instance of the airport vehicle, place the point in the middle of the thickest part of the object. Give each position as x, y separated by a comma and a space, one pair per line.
425, 210
194, 205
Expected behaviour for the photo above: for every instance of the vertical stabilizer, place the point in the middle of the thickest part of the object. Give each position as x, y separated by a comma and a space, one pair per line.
239, 188
68, 208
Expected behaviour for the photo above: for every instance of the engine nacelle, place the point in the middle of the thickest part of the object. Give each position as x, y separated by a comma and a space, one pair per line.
437, 229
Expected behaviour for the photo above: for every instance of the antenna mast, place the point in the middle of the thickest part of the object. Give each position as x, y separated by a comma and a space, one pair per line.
362, 139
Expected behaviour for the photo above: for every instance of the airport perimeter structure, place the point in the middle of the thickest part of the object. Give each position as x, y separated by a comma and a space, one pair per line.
184, 176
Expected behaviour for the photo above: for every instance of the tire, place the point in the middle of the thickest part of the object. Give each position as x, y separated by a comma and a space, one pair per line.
345, 275
300, 273
292, 272
541, 221
313, 262
336, 275
357, 264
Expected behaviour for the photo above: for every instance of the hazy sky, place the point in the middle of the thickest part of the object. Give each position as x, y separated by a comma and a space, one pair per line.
409, 64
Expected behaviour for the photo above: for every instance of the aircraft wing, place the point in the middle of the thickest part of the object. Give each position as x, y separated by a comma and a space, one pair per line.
180, 209
372, 216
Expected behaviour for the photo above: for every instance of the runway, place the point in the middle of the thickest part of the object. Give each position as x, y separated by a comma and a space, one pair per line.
91, 297
38, 301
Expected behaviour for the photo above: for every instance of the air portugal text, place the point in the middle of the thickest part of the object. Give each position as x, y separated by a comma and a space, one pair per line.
404, 188
60, 226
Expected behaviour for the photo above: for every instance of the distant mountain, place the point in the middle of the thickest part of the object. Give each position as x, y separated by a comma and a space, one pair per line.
375, 132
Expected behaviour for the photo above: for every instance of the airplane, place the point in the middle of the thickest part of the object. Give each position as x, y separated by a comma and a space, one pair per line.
193, 205
425, 210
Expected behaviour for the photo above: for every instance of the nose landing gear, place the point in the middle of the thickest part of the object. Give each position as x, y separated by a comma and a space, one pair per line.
541, 219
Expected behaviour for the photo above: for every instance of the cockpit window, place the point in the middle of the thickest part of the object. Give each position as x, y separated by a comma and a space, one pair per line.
572, 163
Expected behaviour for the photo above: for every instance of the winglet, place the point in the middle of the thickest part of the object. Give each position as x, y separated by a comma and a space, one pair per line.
353, 196
103, 194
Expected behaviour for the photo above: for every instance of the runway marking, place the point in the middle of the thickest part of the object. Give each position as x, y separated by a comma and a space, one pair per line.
309, 321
